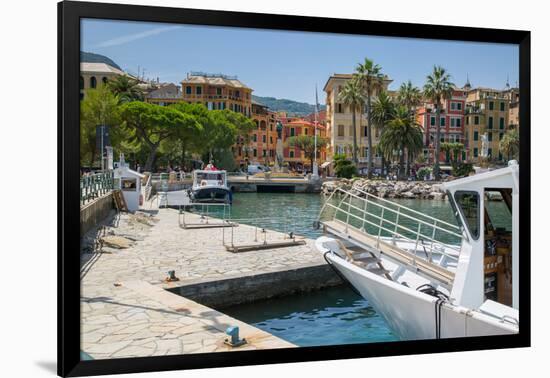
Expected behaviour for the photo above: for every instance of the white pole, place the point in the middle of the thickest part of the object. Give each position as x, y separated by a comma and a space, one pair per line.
315, 169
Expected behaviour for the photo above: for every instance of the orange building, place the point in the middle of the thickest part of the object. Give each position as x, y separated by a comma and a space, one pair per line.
262, 140
294, 156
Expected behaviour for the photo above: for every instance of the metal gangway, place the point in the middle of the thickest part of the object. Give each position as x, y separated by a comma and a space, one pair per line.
258, 233
386, 228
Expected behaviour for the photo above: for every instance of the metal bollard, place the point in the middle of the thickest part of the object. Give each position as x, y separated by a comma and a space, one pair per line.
235, 341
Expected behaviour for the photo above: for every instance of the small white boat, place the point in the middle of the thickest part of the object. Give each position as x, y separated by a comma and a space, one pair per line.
210, 186
426, 277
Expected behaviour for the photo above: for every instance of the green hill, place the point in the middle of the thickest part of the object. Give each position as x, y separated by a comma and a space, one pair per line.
88, 57
285, 105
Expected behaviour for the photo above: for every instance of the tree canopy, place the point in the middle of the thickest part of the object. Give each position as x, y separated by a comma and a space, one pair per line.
151, 124
99, 108
306, 144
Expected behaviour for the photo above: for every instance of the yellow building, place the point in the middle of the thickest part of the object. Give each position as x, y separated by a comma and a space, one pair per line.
217, 91
513, 113
94, 74
487, 113
340, 125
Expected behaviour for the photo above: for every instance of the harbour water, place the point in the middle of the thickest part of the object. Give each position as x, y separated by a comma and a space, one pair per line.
326, 317
296, 212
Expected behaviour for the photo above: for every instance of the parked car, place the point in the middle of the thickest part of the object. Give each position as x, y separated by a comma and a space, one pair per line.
257, 168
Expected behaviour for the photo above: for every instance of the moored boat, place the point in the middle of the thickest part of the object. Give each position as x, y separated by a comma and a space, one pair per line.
211, 186
426, 277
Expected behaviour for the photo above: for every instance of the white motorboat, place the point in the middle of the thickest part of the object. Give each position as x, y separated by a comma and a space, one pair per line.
426, 277
210, 186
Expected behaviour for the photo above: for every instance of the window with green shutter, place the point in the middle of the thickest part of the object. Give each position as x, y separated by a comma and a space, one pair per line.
501, 123
476, 135
491, 105
475, 152
502, 106
490, 122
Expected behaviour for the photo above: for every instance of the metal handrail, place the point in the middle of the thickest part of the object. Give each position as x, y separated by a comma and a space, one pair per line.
408, 209
406, 238
417, 236
410, 217
95, 185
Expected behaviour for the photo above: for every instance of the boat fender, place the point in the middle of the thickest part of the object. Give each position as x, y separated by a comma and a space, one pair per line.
141, 200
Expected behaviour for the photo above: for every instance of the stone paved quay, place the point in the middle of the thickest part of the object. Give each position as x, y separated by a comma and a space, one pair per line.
125, 309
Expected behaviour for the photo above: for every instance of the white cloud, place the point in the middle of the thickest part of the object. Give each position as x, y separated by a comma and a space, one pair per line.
133, 37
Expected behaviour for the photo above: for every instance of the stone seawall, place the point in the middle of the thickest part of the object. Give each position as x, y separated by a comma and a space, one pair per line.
95, 212
388, 189
220, 293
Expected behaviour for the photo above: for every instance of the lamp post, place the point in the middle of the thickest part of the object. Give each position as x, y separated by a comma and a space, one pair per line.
315, 168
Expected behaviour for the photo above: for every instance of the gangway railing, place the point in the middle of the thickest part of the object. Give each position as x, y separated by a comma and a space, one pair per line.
386, 221
259, 239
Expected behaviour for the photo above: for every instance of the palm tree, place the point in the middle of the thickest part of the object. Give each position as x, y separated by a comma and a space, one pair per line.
352, 96
438, 88
509, 144
402, 135
409, 96
383, 110
126, 88
371, 79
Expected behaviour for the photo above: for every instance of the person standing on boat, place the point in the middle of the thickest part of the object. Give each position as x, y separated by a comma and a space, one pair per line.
210, 166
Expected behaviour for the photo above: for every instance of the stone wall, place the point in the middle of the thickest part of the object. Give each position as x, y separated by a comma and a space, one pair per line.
388, 188
94, 212
219, 293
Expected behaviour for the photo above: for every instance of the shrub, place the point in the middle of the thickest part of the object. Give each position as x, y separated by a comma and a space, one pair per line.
462, 169
343, 167
423, 172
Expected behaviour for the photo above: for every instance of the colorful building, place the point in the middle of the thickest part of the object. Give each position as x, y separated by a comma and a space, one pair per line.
217, 91
339, 124
487, 113
262, 141
451, 124
296, 158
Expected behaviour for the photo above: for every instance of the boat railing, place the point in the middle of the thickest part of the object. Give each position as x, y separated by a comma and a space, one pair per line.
383, 219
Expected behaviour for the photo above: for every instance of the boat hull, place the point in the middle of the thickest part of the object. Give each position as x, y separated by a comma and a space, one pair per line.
412, 314
212, 195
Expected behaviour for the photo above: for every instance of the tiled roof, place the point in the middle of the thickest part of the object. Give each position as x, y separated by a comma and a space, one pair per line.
100, 68
213, 80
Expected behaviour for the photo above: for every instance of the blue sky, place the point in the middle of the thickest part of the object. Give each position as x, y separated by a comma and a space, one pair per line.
289, 64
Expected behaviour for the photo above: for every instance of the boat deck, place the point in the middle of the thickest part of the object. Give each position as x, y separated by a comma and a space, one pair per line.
358, 237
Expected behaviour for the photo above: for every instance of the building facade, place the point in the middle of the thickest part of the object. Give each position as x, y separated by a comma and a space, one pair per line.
262, 140
487, 115
217, 91
451, 124
296, 158
94, 74
165, 95
339, 124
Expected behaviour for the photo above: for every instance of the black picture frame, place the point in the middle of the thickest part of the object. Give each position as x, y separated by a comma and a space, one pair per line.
69, 15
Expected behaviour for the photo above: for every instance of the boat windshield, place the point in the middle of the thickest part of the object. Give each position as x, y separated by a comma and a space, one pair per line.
209, 176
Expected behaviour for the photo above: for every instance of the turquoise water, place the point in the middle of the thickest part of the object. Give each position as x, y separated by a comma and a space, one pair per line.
329, 316
286, 212
326, 317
